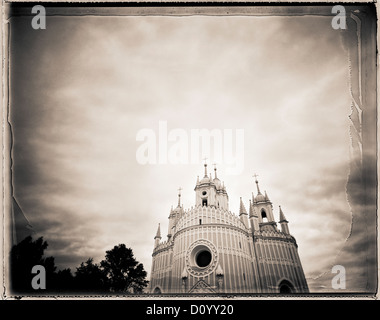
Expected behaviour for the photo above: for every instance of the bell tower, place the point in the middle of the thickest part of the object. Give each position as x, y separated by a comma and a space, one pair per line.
210, 192
262, 206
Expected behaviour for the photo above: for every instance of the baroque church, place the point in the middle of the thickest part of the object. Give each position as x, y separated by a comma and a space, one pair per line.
209, 249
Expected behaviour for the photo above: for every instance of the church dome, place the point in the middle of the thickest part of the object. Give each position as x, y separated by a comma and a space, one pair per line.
217, 183
205, 179
260, 198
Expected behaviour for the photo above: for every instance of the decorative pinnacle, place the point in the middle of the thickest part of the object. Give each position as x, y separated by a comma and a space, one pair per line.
219, 271
158, 234
184, 274
282, 216
242, 207
257, 183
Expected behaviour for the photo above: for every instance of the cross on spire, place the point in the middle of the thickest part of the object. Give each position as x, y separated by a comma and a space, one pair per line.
257, 183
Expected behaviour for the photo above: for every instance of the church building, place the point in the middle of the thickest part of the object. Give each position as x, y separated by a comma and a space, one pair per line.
209, 249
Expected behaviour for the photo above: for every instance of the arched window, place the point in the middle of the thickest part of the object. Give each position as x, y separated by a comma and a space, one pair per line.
264, 216
286, 287
157, 290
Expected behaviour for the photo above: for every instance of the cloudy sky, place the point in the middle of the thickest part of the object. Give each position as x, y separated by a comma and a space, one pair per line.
83, 88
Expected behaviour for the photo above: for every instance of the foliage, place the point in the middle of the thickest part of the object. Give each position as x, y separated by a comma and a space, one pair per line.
124, 272
118, 272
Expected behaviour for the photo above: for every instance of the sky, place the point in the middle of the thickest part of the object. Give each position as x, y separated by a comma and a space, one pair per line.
83, 88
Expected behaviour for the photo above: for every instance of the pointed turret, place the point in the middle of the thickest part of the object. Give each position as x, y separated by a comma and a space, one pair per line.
210, 193
283, 222
262, 205
157, 238
254, 219
174, 215
243, 214
242, 208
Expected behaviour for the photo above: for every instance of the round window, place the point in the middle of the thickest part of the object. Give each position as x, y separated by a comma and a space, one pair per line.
204, 193
203, 258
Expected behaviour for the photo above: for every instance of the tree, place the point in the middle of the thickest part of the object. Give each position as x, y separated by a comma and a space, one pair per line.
124, 273
63, 281
24, 256
90, 277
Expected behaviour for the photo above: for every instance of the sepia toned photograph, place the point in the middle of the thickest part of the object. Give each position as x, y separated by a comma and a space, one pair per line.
189, 151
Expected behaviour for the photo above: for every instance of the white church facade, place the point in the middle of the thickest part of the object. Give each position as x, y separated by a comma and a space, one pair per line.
209, 249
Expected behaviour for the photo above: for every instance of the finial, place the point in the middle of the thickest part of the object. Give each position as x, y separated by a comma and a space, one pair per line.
179, 197
214, 164
205, 159
257, 183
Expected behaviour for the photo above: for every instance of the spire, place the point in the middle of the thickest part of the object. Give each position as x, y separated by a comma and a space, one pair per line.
266, 196
283, 222
158, 234
205, 167
282, 216
252, 212
242, 208
179, 197
257, 183
216, 177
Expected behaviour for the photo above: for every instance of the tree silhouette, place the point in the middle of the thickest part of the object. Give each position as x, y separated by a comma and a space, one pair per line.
124, 272
63, 281
90, 277
24, 256
119, 272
